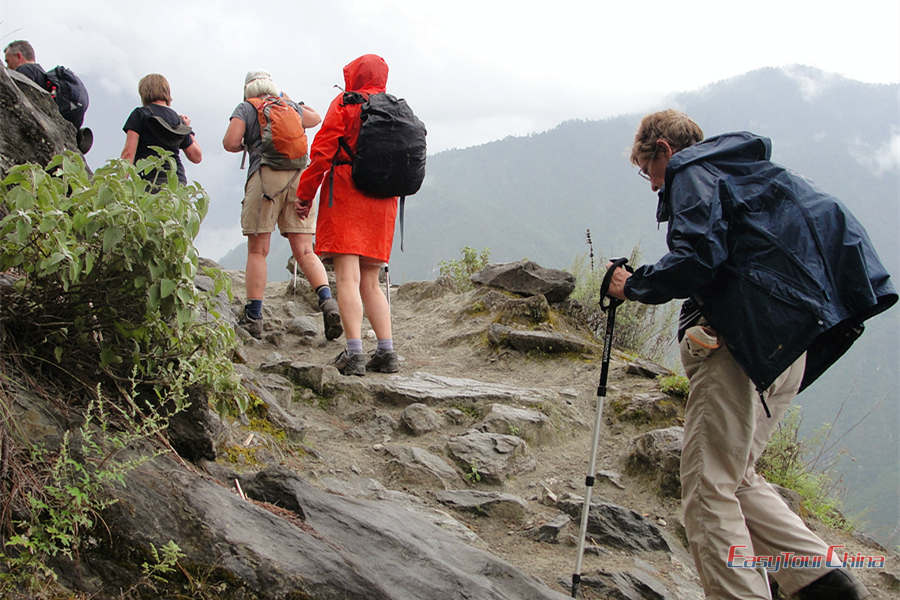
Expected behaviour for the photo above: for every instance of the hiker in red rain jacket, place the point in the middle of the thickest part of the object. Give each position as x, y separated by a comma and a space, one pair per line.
353, 229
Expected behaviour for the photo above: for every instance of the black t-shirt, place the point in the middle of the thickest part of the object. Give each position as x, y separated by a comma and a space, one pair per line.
34, 72
137, 122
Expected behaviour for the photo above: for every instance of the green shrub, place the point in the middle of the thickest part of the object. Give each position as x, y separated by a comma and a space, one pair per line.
460, 270
65, 490
647, 330
676, 385
104, 314
792, 462
107, 270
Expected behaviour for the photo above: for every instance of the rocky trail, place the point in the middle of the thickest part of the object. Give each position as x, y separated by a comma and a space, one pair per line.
486, 433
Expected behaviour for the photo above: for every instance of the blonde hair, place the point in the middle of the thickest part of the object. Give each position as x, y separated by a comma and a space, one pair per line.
259, 83
153, 88
671, 125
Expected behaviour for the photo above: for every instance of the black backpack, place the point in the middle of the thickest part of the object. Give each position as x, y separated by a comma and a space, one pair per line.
70, 94
390, 151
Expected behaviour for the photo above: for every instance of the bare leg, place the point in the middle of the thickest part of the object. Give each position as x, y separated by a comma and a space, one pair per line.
347, 274
377, 308
312, 267
255, 272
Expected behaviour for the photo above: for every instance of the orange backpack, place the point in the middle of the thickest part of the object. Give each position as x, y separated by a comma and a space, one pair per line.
284, 145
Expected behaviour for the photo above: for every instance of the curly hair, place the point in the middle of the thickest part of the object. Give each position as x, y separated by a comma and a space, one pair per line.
259, 83
671, 125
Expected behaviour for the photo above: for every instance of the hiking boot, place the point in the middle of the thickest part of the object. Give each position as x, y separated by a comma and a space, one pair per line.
351, 364
253, 326
833, 585
383, 361
332, 318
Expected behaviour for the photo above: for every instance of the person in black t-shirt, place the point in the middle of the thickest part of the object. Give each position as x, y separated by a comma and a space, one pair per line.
156, 124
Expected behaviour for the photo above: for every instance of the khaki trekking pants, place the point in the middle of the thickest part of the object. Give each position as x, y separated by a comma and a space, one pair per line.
726, 503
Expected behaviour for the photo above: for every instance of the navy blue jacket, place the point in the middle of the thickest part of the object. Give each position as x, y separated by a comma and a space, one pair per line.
775, 265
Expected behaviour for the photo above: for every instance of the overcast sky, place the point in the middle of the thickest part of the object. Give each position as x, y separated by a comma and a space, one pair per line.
473, 71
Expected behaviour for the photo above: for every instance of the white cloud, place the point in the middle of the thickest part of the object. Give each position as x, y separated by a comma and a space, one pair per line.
881, 159
811, 83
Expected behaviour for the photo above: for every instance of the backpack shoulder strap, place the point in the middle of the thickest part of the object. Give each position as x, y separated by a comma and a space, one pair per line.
353, 98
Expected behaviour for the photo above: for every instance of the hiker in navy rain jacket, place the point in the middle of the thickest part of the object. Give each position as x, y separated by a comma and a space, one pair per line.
775, 265
778, 278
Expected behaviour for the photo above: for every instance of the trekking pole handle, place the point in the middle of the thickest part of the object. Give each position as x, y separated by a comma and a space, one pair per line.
607, 302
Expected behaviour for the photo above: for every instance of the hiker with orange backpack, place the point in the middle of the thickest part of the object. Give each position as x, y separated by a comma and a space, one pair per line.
355, 228
271, 128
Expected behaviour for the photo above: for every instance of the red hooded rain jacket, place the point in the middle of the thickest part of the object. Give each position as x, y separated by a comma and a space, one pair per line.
355, 223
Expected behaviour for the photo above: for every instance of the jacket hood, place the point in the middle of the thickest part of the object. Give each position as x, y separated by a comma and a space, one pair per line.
728, 151
368, 73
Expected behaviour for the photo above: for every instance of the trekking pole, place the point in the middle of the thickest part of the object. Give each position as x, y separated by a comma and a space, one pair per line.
387, 282
608, 305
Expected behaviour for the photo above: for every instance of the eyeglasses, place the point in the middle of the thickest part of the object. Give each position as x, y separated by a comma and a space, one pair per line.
645, 172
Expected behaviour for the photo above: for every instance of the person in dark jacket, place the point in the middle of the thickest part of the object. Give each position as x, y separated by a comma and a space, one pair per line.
157, 124
778, 278
19, 56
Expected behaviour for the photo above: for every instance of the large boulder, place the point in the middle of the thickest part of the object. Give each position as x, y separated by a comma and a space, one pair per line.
297, 541
33, 130
527, 279
657, 453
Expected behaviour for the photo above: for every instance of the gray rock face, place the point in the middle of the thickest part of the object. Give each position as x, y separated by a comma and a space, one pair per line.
416, 465
530, 310
420, 419
193, 432
371, 489
550, 342
277, 394
532, 426
435, 389
527, 279
316, 545
616, 526
647, 408
646, 368
490, 457
658, 454
33, 130
303, 326
551, 530
495, 504
635, 584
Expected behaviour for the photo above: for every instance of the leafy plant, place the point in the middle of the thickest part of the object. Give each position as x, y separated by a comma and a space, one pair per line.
106, 276
460, 270
647, 330
472, 475
71, 489
791, 462
676, 385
